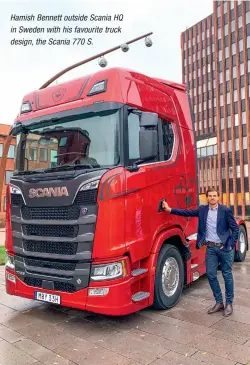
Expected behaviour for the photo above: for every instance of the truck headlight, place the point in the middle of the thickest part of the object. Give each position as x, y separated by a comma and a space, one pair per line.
90, 185
15, 190
10, 262
114, 270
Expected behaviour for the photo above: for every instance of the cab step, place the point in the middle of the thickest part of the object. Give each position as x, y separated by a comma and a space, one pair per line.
141, 295
139, 271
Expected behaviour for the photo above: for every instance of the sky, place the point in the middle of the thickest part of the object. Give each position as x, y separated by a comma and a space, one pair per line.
25, 69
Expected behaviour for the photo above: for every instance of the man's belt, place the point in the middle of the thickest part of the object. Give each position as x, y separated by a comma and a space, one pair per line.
213, 244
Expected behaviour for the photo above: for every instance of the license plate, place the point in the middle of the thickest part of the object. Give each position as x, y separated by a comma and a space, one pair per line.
49, 298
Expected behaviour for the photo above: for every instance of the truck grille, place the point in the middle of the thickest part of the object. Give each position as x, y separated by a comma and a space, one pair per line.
67, 266
86, 197
50, 230
57, 248
58, 286
61, 213
17, 199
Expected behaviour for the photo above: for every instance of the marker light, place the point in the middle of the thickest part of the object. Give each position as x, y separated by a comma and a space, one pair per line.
26, 107
98, 87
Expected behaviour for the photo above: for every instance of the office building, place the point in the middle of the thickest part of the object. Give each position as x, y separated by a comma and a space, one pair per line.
216, 68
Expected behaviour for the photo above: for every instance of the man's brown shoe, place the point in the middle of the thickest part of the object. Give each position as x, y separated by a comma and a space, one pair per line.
216, 308
228, 310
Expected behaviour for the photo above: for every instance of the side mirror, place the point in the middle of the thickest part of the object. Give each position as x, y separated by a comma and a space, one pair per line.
148, 139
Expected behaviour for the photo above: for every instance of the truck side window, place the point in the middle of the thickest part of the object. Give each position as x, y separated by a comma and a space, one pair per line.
168, 139
133, 137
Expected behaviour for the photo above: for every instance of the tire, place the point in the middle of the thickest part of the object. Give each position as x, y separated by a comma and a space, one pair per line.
240, 254
169, 257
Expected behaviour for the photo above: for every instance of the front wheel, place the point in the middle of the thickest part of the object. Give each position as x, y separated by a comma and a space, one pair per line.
240, 254
169, 278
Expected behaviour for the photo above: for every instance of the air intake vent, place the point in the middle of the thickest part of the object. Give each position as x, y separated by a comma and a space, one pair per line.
50, 230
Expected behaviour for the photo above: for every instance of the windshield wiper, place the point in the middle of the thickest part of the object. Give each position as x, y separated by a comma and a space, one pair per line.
28, 172
70, 166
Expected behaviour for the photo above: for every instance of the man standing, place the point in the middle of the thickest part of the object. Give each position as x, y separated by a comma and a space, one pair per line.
218, 230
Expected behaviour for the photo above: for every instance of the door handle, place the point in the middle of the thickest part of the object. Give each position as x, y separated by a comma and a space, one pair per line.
160, 209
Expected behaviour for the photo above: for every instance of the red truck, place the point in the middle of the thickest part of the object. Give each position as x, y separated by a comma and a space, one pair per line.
95, 158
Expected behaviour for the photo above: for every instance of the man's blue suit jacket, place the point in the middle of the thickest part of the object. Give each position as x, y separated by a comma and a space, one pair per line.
227, 227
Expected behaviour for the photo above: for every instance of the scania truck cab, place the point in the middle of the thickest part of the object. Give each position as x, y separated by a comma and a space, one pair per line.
95, 158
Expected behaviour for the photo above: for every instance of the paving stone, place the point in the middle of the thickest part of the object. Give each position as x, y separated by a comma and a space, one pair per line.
229, 336
159, 316
211, 359
32, 348
9, 335
85, 353
223, 348
17, 303
134, 347
47, 314
163, 342
10, 355
172, 358
18, 320
50, 357
45, 335
236, 328
192, 317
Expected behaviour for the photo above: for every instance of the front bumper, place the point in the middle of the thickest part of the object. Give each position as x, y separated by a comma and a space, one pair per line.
117, 302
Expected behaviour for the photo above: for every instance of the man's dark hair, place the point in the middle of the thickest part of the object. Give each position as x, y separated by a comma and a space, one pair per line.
211, 190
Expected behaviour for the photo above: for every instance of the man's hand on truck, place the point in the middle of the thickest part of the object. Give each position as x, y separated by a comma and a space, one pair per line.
165, 206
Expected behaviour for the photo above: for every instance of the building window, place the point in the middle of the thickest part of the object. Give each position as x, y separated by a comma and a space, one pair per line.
233, 49
241, 45
244, 118
4, 204
226, 29
244, 143
237, 144
8, 175
230, 145
228, 98
236, 120
168, 139
11, 152
242, 69
222, 147
242, 93
1, 149
238, 171
240, 21
234, 72
43, 155
233, 26
247, 16
225, 7
220, 55
33, 154
245, 170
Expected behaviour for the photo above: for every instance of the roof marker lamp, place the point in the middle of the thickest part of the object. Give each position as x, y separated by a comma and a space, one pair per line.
98, 87
26, 107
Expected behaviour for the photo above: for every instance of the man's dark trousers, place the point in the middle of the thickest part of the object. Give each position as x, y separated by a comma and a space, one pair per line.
214, 257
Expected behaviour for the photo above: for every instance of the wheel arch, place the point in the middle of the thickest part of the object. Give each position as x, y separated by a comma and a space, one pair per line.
175, 237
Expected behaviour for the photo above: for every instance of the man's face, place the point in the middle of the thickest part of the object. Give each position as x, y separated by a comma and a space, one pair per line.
213, 198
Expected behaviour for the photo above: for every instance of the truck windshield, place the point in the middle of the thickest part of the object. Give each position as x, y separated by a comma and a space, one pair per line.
91, 142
